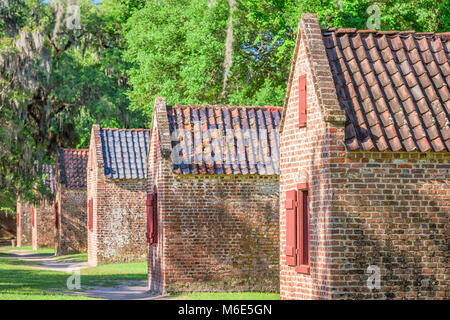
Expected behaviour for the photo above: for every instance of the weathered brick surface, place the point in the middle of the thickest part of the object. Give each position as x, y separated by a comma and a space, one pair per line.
391, 210
43, 233
24, 230
388, 209
71, 234
215, 232
119, 212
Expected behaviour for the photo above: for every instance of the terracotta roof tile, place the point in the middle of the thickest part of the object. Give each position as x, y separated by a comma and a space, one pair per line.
72, 167
393, 86
125, 153
224, 139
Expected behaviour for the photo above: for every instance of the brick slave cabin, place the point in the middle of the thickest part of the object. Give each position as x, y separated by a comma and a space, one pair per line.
117, 175
35, 221
70, 205
213, 184
364, 167
42, 218
23, 220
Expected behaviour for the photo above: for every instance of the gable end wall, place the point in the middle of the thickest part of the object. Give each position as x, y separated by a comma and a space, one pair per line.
384, 209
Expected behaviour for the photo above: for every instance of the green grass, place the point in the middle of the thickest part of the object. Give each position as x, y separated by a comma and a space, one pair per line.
20, 281
39, 250
126, 271
228, 296
111, 274
80, 257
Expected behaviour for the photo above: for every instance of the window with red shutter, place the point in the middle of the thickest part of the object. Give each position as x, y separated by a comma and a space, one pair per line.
91, 215
297, 228
155, 217
149, 218
291, 228
152, 218
32, 218
303, 229
56, 215
302, 101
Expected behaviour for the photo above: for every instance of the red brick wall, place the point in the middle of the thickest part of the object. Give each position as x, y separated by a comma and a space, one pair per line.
216, 233
43, 232
156, 173
392, 211
24, 230
366, 208
71, 234
119, 212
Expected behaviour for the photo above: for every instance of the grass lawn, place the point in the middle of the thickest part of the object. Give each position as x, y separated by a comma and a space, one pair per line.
19, 281
228, 296
40, 250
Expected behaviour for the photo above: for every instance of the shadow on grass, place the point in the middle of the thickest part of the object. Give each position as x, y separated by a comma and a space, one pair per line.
19, 281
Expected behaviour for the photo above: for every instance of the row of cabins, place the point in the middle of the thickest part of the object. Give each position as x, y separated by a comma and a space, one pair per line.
350, 180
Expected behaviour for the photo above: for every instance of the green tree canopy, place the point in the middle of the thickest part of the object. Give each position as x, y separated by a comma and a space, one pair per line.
61, 70
177, 48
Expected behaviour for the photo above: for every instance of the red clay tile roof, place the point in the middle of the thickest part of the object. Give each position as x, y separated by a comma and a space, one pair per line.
72, 168
393, 86
224, 139
125, 152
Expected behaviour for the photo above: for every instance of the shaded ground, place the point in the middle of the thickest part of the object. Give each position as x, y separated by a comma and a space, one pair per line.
122, 290
27, 274
128, 283
46, 261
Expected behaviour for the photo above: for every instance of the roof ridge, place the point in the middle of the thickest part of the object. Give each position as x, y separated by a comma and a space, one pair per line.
223, 106
124, 129
71, 150
342, 31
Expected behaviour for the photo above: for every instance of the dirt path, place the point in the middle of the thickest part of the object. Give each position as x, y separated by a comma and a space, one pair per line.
46, 261
109, 290
122, 290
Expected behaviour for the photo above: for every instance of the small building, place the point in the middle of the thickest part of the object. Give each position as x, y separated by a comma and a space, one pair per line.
365, 165
117, 177
23, 220
70, 202
43, 215
213, 198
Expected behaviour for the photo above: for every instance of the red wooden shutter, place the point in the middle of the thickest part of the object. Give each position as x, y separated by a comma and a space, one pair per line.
303, 227
32, 218
150, 220
302, 101
155, 217
56, 215
291, 226
91, 215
